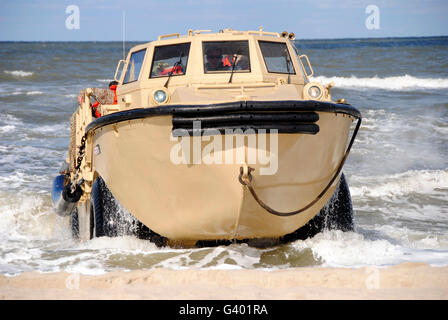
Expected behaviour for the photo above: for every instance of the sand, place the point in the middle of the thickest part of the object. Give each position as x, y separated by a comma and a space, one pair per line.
404, 281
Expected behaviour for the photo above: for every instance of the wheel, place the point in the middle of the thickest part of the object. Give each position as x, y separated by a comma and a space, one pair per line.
74, 224
339, 210
97, 209
112, 220
104, 210
337, 214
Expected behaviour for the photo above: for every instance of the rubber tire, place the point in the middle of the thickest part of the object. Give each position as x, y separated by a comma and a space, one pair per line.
96, 213
74, 224
97, 209
107, 220
337, 214
106, 214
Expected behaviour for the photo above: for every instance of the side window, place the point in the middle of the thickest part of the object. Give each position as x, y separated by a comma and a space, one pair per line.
276, 57
134, 67
221, 56
170, 60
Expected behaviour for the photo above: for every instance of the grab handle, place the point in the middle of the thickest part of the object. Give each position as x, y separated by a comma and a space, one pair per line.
118, 67
309, 65
163, 36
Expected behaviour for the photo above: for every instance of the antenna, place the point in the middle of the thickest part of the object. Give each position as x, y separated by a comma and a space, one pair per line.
124, 30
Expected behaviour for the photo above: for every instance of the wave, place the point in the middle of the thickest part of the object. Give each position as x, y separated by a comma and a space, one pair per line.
18, 93
33, 93
349, 249
7, 128
105, 80
433, 182
19, 73
397, 83
9, 119
25, 217
20, 180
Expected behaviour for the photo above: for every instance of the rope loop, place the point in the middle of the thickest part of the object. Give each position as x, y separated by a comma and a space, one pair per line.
246, 178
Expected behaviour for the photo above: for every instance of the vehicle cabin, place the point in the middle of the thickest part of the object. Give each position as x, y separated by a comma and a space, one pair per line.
204, 67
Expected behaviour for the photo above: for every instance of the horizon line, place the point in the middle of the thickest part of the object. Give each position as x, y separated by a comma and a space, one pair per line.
297, 39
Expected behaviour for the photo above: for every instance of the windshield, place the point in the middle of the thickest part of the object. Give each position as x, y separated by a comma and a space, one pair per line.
135, 64
219, 56
170, 60
276, 57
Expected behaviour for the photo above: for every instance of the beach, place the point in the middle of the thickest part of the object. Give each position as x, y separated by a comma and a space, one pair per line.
406, 281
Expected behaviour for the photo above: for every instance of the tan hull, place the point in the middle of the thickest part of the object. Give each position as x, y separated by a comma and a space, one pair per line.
207, 201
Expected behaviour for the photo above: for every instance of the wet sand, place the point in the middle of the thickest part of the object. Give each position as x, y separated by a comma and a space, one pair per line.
404, 281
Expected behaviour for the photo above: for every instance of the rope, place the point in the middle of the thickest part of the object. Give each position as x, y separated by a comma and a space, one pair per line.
246, 178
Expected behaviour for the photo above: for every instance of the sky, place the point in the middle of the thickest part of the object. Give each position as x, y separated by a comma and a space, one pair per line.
56, 20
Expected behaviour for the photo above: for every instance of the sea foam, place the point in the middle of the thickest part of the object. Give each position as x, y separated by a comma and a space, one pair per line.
19, 73
34, 93
396, 83
8, 128
413, 181
105, 80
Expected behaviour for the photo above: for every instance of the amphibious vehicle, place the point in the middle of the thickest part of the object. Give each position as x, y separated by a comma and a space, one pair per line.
209, 138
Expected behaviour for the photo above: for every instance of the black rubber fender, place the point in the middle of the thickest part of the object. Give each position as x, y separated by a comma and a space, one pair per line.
68, 196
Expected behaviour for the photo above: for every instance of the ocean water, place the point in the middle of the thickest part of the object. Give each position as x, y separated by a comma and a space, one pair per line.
397, 169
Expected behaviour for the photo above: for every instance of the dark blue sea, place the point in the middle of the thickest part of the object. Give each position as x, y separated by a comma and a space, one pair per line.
397, 170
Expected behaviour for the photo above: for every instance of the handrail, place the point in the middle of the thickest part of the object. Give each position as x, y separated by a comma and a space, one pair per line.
309, 65
163, 36
264, 33
199, 31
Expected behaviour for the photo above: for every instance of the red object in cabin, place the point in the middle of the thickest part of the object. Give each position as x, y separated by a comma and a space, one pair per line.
113, 87
175, 70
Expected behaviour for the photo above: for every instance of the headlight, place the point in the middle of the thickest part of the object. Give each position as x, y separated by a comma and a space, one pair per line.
160, 96
314, 92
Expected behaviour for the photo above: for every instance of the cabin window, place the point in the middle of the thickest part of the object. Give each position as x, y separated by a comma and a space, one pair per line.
220, 55
276, 57
134, 67
170, 60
